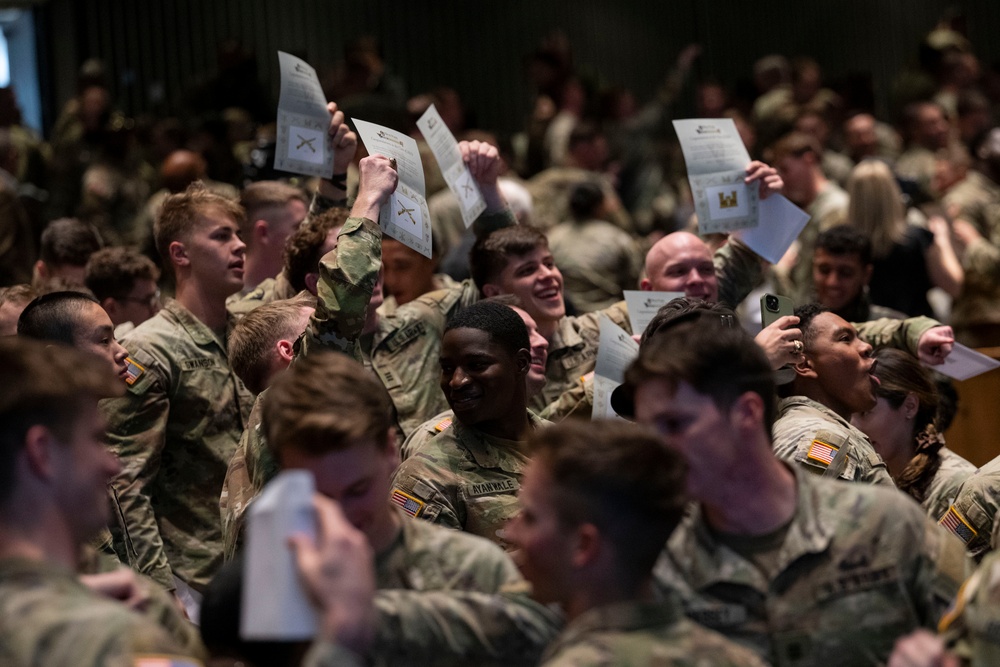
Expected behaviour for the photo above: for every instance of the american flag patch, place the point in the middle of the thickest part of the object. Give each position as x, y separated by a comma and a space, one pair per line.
443, 424
956, 524
406, 502
133, 371
823, 452
163, 661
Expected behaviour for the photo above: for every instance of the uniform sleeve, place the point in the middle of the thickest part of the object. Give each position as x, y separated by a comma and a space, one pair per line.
237, 492
898, 334
347, 277
428, 493
136, 432
940, 568
738, 269
461, 628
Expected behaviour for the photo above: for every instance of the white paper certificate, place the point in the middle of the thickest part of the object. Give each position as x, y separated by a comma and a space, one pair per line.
643, 306
782, 220
716, 164
964, 363
456, 174
303, 145
615, 351
405, 216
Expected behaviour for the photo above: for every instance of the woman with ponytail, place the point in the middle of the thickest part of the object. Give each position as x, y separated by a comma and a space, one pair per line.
903, 429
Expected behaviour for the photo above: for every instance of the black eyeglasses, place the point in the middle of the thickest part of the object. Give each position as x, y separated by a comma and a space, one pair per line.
151, 301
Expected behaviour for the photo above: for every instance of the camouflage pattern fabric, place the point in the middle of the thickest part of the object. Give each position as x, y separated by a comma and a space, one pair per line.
944, 486
597, 260
272, 289
643, 633
464, 479
970, 626
973, 516
857, 567
813, 436
49, 618
175, 431
425, 432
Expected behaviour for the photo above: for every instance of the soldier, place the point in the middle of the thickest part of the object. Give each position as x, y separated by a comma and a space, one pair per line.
974, 516
66, 246
184, 409
467, 476
802, 570
599, 500
54, 499
273, 211
841, 270
124, 281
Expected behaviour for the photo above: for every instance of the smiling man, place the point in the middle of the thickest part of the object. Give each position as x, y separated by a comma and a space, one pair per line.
184, 410
833, 380
467, 476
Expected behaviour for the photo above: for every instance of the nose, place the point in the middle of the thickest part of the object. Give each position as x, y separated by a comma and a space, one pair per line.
458, 378
120, 352
694, 277
240, 246
867, 351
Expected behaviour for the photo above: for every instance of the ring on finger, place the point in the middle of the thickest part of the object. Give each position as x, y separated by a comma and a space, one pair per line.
797, 344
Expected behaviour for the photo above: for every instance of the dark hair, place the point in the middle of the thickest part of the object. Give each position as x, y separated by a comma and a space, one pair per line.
681, 308
44, 384
303, 247
68, 241
504, 326
53, 316
900, 374
843, 240
619, 477
584, 200
112, 272
718, 360
806, 313
490, 254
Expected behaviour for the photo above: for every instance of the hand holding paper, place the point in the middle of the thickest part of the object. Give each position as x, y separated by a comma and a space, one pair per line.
302, 143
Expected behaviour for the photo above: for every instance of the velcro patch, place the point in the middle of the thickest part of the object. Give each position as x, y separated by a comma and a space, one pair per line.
405, 335
489, 488
955, 523
407, 503
193, 364
822, 452
133, 371
443, 424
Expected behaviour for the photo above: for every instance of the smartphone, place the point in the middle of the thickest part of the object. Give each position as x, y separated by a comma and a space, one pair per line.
773, 307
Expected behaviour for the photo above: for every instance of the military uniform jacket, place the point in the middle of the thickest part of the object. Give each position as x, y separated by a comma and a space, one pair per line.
945, 484
175, 430
643, 633
971, 627
973, 517
47, 617
464, 479
813, 436
858, 567
272, 289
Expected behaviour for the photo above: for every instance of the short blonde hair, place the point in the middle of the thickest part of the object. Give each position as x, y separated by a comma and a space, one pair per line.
252, 340
181, 213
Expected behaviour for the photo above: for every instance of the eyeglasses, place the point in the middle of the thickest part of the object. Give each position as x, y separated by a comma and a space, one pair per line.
151, 301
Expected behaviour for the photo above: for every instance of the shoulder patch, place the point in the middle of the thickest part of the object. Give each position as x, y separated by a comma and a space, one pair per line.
442, 425
957, 525
407, 503
133, 371
822, 452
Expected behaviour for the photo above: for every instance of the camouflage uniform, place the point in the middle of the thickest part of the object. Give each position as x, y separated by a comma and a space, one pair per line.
944, 486
47, 617
857, 567
464, 479
251, 467
973, 515
598, 262
550, 190
272, 289
978, 306
175, 431
425, 432
643, 633
971, 626
821, 441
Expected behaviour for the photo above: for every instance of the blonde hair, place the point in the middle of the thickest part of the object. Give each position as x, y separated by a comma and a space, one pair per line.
181, 214
876, 207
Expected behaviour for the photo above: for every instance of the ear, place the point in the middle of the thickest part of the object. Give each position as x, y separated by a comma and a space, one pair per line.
38, 451
285, 349
311, 280
393, 446
110, 306
260, 230
523, 361
178, 254
911, 404
42, 270
587, 545
748, 411
489, 289
645, 285
804, 368
868, 273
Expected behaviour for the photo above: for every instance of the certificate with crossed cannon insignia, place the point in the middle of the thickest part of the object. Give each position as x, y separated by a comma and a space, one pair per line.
716, 164
303, 143
449, 157
405, 216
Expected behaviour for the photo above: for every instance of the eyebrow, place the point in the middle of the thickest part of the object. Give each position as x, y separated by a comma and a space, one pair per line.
842, 330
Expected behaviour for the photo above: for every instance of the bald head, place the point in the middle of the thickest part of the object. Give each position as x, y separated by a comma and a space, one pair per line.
681, 262
180, 169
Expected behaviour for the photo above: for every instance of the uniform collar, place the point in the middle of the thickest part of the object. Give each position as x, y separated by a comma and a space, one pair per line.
491, 452
619, 617
195, 328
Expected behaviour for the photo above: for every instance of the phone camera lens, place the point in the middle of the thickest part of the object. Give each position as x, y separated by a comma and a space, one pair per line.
772, 303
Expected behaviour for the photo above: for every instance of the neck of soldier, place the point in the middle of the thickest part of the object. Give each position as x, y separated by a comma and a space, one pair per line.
548, 328
513, 426
817, 392
208, 306
258, 268
384, 532
755, 498
604, 589
37, 533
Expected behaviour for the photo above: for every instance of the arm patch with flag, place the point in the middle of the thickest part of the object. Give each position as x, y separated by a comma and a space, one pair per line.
406, 502
822, 452
955, 523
